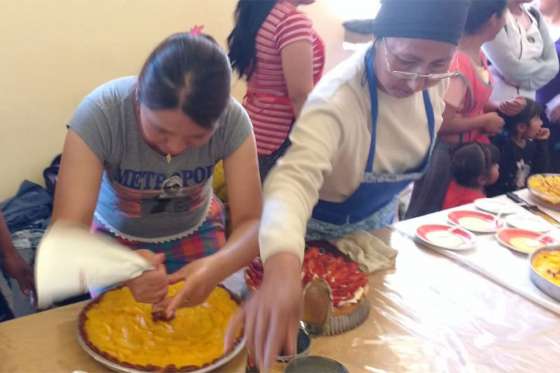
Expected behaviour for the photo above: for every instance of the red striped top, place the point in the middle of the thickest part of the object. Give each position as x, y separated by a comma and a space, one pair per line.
267, 100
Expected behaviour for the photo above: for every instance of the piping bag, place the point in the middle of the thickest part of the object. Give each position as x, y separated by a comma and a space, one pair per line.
71, 261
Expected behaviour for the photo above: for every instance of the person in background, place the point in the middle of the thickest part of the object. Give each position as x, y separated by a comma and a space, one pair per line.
14, 266
522, 54
274, 46
366, 131
549, 95
474, 167
523, 148
469, 116
137, 165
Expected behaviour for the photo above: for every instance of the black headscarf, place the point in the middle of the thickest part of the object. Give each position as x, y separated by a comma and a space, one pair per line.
439, 20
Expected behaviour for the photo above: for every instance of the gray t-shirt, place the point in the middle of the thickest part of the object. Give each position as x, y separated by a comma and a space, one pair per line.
142, 197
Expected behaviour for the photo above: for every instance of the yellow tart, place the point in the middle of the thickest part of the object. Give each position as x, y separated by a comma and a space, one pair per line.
547, 264
125, 332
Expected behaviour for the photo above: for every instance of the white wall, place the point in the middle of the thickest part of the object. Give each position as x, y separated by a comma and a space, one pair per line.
55, 51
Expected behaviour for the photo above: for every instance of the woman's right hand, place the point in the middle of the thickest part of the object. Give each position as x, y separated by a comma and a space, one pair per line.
151, 286
493, 123
513, 107
271, 316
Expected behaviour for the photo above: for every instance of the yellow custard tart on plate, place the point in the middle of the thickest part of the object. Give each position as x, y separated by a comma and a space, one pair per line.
124, 335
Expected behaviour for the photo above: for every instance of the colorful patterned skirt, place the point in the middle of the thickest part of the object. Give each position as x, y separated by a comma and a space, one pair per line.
205, 241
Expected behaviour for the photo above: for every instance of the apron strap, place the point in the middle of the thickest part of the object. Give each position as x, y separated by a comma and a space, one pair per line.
372, 85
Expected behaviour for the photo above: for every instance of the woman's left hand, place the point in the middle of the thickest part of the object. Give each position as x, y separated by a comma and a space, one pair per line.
200, 279
22, 272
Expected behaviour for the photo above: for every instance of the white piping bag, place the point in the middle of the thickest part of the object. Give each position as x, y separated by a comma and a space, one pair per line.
71, 261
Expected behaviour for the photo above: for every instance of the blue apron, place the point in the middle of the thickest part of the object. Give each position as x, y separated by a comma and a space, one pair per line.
374, 204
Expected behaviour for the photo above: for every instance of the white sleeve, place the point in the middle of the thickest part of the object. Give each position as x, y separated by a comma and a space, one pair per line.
292, 188
527, 74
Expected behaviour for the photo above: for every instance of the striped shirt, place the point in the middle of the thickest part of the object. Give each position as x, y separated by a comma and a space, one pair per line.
267, 100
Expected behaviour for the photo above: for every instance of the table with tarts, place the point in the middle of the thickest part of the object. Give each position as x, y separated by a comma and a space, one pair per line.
429, 314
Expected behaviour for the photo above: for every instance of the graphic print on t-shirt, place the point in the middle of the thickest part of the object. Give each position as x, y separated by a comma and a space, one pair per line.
523, 171
141, 193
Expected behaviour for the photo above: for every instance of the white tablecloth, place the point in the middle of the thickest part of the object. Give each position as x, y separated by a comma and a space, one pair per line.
489, 258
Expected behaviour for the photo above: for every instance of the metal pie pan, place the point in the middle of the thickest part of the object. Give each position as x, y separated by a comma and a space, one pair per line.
116, 367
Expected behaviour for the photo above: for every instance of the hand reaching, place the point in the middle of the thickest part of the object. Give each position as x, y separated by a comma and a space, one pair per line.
512, 107
151, 286
272, 314
200, 279
493, 123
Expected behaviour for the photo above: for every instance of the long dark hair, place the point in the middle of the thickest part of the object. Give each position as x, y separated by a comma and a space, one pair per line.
480, 13
473, 160
249, 17
190, 72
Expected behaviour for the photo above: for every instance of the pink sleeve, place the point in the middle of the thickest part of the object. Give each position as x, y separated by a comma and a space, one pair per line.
295, 27
456, 93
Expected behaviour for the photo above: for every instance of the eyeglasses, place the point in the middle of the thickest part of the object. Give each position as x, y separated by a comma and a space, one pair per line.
406, 75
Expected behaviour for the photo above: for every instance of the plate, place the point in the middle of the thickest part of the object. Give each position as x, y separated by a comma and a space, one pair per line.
495, 206
523, 241
528, 222
445, 237
550, 198
474, 221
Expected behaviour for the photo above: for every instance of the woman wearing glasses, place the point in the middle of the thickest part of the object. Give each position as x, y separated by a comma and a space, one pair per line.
365, 132
469, 116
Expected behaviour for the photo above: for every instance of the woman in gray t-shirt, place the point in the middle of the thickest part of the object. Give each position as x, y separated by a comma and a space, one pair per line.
138, 163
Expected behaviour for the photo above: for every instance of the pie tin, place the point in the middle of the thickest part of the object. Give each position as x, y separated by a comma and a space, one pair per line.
303, 345
338, 324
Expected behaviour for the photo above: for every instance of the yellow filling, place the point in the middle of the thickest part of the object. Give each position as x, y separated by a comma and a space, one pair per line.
475, 224
548, 185
526, 245
124, 329
547, 264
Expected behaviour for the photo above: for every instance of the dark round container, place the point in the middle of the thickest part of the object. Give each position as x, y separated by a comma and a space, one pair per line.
303, 344
315, 364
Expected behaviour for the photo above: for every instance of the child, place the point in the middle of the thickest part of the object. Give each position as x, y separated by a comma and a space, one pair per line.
523, 147
474, 166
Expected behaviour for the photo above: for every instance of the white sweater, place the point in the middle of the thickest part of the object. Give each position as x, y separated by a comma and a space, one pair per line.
522, 60
330, 144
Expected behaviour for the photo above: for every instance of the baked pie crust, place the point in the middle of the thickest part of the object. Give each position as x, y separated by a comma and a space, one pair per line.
125, 332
